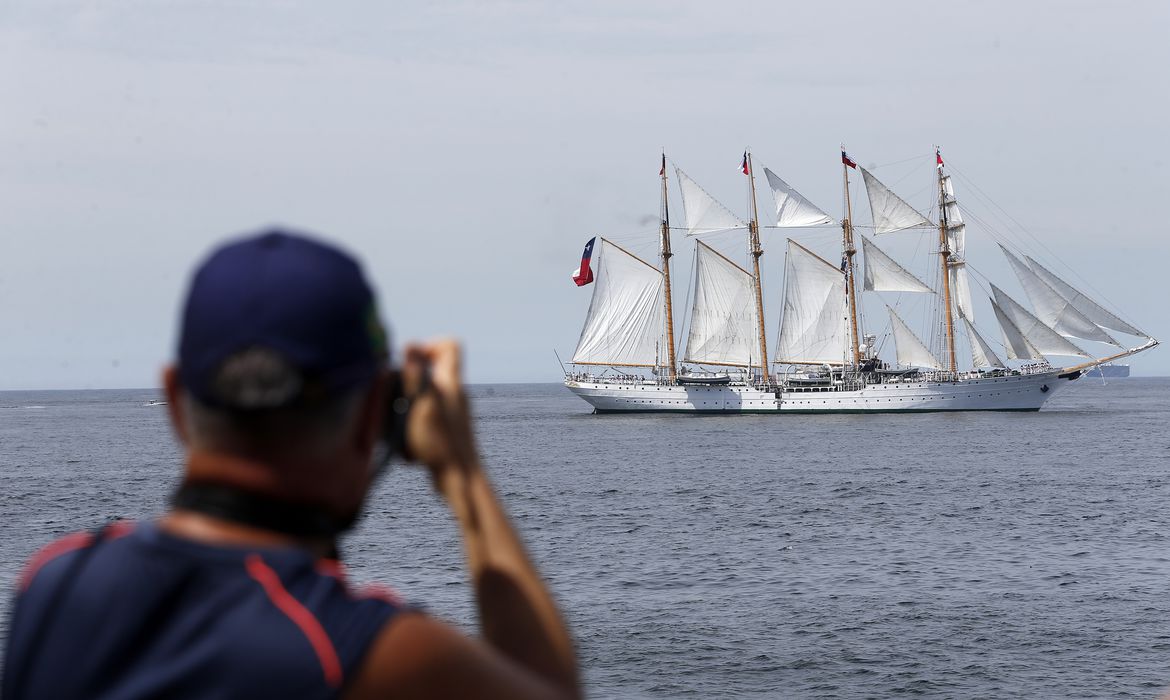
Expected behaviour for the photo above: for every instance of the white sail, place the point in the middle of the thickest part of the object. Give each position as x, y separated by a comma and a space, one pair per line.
1052, 308
1017, 346
625, 319
911, 351
960, 288
1094, 311
723, 317
884, 274
1040, 336
812, 329
703, 212
956, 229
890, 212
792, 209
957, 243
981, 353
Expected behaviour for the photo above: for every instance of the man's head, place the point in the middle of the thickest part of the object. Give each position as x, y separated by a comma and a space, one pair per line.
279, 363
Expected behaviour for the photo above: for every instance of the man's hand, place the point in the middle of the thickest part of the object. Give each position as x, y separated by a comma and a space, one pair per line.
526, 649
438, 429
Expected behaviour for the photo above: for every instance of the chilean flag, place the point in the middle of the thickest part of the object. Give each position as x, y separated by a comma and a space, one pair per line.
584, 275
744, 166
938, 156
847, 160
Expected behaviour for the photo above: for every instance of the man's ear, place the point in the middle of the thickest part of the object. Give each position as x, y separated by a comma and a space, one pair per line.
174, 394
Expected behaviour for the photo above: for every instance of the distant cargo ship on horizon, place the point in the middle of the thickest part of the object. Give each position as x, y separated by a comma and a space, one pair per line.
1110, 370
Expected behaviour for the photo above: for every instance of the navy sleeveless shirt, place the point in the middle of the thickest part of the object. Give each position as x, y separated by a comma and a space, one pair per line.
134, 612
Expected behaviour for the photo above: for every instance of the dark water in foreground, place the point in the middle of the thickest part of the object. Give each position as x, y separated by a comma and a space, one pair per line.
941, 555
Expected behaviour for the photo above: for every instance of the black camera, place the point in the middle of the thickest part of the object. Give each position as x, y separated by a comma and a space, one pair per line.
395, 415
399, 399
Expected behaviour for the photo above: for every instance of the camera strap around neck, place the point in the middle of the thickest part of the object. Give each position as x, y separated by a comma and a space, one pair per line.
255, 510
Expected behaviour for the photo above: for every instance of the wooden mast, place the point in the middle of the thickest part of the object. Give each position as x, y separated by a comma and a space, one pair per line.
850, 251
944, 253
666, 255
756, 251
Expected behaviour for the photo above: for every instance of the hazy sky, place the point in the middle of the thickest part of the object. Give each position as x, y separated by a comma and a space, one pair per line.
467, 150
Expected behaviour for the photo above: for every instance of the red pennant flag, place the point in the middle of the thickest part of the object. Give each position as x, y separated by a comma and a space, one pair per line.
847, 160
744, 167
584, 275
938, 157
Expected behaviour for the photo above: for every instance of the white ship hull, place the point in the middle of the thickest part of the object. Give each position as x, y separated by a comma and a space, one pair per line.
1009, 392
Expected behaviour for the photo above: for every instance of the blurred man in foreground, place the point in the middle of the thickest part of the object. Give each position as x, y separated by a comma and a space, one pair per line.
284, 401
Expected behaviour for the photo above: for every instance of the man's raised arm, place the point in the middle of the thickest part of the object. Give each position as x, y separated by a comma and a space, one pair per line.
526, 649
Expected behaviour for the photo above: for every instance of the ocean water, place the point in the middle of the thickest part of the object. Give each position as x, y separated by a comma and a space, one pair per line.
938, 555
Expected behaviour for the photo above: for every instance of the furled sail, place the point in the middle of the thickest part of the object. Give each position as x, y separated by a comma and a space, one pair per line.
1094, 311
723, 316
703, 212
911, 351
792, 209
957, 243
812, 329
625, 319
981, 353
1052, 308
890, 212
1040, 336
884, 274
1017, 346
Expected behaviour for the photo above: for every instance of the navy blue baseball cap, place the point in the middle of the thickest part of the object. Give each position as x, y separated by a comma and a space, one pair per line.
306, 301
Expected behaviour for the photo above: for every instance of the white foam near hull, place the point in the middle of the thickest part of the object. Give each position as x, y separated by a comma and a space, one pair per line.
1012, 392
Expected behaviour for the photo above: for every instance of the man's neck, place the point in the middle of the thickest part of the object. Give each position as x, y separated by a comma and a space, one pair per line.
211, 530
231, 500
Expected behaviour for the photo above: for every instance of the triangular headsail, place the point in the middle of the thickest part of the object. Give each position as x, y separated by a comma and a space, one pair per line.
981, 353
890, 212
1091, 309
624, 325
792, 209
1017, 346
723, 316
884, 274
703, 213
1040, 336
911, 351
812, 330
1052, 308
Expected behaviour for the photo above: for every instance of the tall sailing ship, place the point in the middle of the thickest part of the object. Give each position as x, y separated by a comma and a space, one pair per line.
824, 360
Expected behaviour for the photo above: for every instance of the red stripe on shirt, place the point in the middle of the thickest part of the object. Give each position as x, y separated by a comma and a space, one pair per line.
51, 551
118, 529
299, 615
331, 568
69, 543
335, 570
